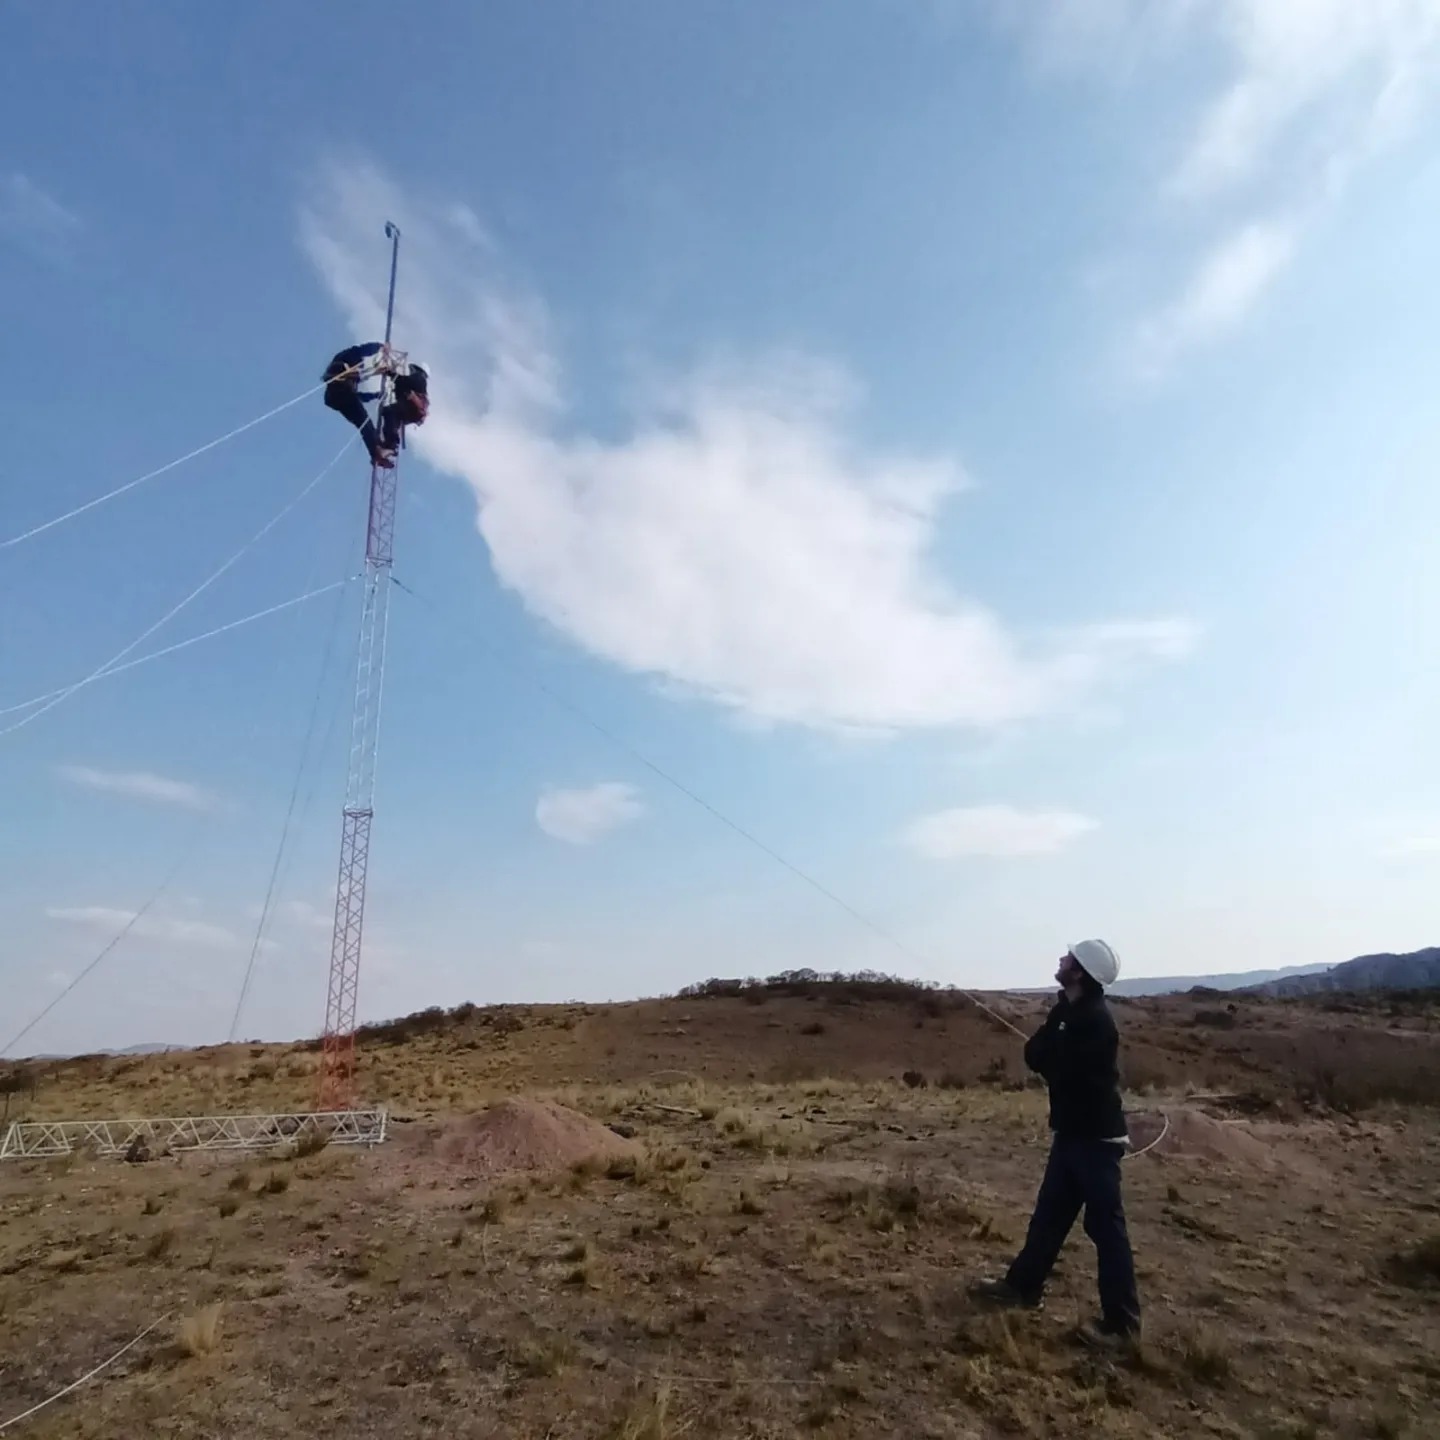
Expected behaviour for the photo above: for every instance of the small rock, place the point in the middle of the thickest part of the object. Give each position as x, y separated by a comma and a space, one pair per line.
625, 1132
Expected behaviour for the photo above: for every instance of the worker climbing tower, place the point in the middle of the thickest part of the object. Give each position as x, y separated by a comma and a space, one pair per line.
337, 1060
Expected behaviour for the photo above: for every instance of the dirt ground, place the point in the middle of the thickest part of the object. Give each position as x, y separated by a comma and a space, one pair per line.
769, 1256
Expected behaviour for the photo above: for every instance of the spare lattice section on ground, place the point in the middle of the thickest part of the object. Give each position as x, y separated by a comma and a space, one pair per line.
37, 1139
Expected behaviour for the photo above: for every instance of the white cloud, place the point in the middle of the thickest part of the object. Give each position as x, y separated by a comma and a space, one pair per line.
1328, 76
736, 545
169, 929
31, 217
581, 817
1220, 294
1309, 90
996, 830
141, 785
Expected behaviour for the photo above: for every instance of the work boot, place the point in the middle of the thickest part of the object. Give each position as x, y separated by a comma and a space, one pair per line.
1109, 1335
1001, 1292
383, 456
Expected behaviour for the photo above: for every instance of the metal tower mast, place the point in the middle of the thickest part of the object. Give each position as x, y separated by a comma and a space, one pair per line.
337, 1061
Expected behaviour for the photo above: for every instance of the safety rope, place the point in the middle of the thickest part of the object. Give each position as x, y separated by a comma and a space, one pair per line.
566, 704
1164, 1131
266, 908
193, 640
88, 1376
194, 594
171, 465
187, 853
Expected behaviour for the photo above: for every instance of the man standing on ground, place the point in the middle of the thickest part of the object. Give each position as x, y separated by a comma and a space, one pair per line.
1075, 1050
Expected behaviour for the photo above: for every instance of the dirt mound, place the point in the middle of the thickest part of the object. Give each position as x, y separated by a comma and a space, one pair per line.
520, 1134
1193, 1133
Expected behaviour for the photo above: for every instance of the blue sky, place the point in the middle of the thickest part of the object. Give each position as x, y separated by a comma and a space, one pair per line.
987, 451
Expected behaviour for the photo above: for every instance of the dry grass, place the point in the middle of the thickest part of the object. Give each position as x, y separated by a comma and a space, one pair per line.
544, 1356
1204, 1356
649, 1415
311, 1144
199, 1333
396, 1289
159, 1245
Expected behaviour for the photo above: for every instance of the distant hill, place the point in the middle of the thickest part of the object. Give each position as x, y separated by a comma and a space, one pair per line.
153, 1049
1419, 970
1244, 980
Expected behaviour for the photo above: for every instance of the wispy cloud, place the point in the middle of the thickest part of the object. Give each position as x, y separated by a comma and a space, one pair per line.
170, 929
33, 218
1219, 295
738, 544
993, 830
580, 817
1308, 91
1312, 82
141, 785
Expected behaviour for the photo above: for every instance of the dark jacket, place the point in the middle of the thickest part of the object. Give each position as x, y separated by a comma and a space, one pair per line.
1075, 1050
348, 360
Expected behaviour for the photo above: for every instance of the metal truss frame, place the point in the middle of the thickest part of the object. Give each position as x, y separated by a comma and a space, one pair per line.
39, 1139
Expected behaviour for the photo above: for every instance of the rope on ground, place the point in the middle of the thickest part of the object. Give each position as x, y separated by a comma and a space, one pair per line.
170, 614
1164, 1131
719, 815
193, 640
151, 475
85, 1378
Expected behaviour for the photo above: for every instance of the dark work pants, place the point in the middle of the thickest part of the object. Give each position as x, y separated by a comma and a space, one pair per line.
1082, 1173
342, 396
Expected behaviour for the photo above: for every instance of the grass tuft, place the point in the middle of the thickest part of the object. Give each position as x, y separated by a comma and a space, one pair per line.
311, 1144
1203, 1357
200, 1333
544, 1357
647, 1416
160, 1243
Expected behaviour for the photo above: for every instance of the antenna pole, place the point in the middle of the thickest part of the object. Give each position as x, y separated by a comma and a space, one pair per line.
337, 1059
392, 233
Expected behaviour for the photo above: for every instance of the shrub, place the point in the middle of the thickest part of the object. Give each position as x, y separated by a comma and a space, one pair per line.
1215, 1019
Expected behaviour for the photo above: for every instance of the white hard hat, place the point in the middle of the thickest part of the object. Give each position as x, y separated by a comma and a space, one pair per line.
1097, 960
